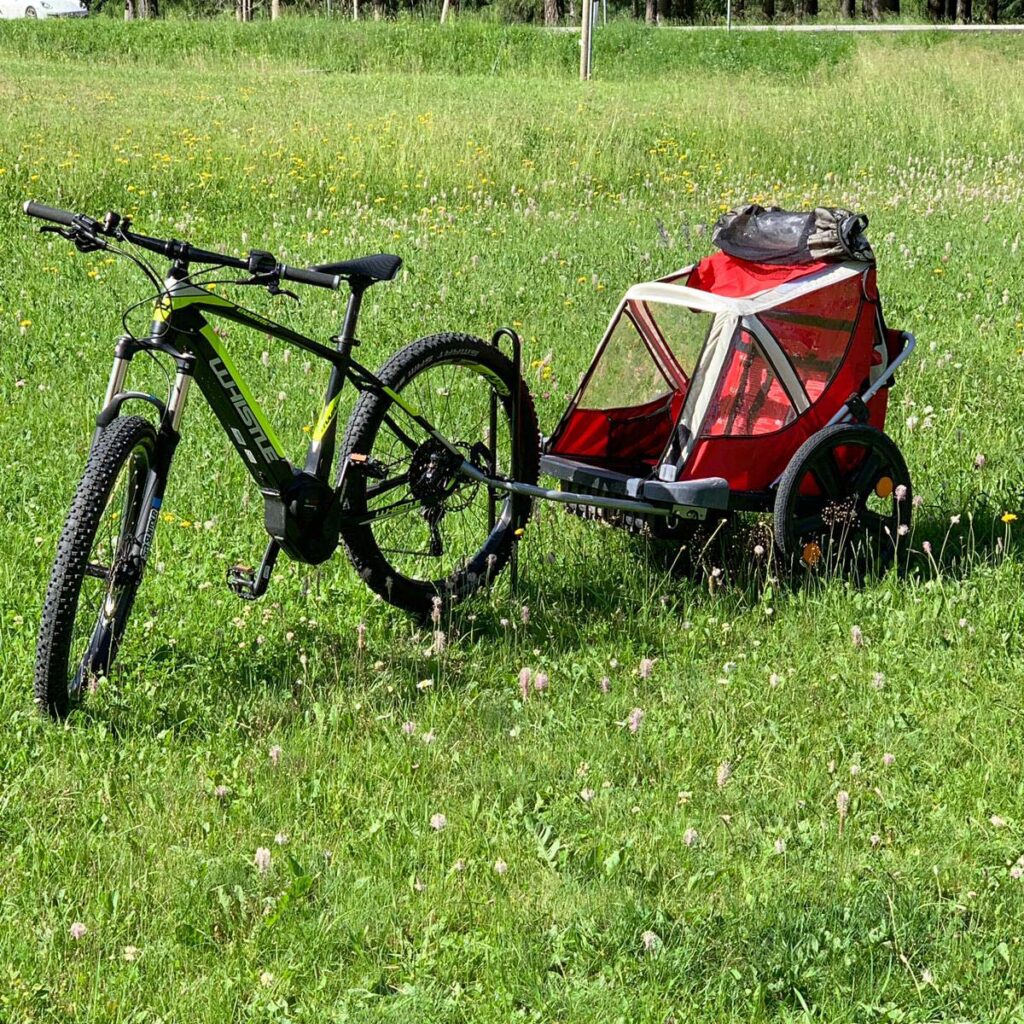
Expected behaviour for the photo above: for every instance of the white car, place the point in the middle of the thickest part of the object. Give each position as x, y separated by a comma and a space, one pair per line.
43, 9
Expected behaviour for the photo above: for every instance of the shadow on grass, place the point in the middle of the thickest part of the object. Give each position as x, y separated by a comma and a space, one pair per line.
735, 561
195, 686
598, 582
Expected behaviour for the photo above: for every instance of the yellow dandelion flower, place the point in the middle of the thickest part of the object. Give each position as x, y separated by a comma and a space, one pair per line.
1008, 517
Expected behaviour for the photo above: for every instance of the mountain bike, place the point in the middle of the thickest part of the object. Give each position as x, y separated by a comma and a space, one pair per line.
429, 490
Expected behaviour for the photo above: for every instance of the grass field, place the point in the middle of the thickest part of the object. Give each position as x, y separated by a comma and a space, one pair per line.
695, 869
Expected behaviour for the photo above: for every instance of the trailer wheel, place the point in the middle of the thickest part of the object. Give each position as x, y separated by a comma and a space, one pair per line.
844, 502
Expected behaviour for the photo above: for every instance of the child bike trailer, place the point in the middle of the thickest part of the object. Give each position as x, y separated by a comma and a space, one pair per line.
756, 380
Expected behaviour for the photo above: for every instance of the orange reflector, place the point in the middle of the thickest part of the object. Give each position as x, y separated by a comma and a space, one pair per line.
884, 487
811, 554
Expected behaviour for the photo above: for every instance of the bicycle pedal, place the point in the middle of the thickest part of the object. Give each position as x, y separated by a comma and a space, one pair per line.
242, 581
364, 464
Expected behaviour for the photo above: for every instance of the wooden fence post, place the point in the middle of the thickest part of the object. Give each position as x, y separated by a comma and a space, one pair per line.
586, 28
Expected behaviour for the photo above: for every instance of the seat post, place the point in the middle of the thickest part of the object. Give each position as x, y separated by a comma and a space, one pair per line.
347, 336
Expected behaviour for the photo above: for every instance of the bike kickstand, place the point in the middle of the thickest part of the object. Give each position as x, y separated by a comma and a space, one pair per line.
249, 585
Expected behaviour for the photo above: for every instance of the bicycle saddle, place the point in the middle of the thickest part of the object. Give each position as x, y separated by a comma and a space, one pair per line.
370, 269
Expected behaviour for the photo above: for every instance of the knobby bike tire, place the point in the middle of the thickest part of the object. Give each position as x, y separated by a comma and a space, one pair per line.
124, 438
416, 595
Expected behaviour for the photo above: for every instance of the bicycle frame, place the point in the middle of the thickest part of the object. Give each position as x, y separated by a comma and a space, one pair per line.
302, 508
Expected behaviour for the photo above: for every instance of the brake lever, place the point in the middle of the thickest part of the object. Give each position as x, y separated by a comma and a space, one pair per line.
82, 242
272, 285
276, 289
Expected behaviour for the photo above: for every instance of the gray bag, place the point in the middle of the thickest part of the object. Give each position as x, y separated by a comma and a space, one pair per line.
773, 235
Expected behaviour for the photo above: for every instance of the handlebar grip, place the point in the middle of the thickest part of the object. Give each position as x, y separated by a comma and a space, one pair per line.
314, 277
34, 209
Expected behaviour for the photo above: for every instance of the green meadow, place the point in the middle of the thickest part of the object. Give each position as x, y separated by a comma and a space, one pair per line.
819, 813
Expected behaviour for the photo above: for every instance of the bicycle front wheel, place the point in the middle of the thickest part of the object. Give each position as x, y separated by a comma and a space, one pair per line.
98, 567
415, 527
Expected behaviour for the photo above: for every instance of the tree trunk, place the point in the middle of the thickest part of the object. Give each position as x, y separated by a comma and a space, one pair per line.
355, 10
992, 11
848, 8
275, 9
876, 10
550, 12
950, 12
664, 10
446, 7
650, 12
964, 11
129, 10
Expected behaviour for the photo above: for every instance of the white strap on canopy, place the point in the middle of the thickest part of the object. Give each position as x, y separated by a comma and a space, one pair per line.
694, 298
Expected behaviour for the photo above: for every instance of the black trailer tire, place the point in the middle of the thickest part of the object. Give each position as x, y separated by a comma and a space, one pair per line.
60, 677
836, 528
417, 592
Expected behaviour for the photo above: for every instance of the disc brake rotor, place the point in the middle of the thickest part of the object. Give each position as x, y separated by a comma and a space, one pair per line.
433, 472
436, 480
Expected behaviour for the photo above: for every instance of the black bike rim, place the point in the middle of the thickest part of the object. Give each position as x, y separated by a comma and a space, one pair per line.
454, 396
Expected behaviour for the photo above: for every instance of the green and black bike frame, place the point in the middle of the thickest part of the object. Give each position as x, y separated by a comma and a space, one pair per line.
303, 510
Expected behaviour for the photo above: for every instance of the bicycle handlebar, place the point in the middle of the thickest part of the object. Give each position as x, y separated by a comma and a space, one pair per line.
260, 264
34, 209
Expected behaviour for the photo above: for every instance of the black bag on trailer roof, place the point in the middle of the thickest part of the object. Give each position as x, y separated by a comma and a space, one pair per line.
772, 235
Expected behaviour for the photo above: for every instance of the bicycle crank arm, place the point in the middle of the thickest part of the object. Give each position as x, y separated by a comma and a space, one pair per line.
249, 585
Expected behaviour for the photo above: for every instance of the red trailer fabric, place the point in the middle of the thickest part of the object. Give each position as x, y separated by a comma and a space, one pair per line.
791, 343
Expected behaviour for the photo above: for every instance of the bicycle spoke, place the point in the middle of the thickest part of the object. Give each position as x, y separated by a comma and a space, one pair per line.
867, 475
881, 524
812, 525
400, 434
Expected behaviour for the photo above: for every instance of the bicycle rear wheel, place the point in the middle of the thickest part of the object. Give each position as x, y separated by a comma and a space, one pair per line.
98, 568
415, 528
